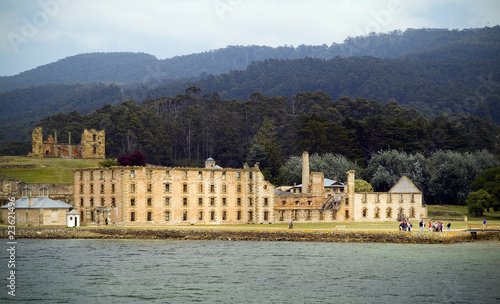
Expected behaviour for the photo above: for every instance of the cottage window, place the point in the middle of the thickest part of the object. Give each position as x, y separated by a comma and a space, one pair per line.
102, 188
149, 216
266, 215
113, 202
112, 188
250, 216
212, 215
167, 216
224, 188
266, 201
132, 188
212, 201
250, 175
81, 201
238, 201
149, 201
184, 188
91, 202
250, 202
212, 188
132, 216
81, 188
347, 214
167, 201
388, 212
149, 188
184, 201
364, 212
167, 187
200, 215
200, 188
224, 201
185, 216
91, 188
200, 201
132, 201
224, 214
238, 215
377, 213
102, 201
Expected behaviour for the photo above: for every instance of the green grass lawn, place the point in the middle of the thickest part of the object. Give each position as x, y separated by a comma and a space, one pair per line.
46, 170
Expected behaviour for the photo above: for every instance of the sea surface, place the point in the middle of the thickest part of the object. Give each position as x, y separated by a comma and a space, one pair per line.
166, 271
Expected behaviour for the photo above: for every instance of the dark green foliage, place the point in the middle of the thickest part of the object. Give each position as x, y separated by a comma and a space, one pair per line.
16, 148
477, 201
489, 181
109, 162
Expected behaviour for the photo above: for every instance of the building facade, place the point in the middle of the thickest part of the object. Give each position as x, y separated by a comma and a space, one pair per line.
92, 145
150, 195
320, 200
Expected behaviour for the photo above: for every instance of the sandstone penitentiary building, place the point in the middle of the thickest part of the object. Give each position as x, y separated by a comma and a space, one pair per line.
148, 196
165, 195
92, 145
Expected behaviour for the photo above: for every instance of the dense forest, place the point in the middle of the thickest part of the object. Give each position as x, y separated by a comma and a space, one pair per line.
433, 71
188, 128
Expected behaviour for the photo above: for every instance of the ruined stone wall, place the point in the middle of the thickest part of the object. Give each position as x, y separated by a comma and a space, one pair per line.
93, 144
37, 143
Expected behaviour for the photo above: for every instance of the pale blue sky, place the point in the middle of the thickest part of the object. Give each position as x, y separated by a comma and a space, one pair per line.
33, 33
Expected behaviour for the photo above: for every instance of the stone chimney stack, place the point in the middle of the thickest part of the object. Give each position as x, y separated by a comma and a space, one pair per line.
30, 199
305, 172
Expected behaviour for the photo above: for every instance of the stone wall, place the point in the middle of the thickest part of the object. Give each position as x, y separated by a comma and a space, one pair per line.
92, 145
231, 235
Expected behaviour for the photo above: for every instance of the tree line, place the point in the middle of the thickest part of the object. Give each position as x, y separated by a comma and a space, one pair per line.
187, 129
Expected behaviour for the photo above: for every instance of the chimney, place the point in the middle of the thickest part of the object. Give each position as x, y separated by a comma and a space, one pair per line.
305, 172
30, 199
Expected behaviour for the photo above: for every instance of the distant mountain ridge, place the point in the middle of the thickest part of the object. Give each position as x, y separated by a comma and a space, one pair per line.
124, 67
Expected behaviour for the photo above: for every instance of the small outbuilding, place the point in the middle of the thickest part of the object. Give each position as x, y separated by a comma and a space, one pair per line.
73, 218
38, 211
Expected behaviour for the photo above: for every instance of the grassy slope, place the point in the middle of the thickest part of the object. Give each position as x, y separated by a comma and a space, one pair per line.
47, 170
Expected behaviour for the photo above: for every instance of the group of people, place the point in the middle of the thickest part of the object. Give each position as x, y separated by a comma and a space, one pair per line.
435, 226
405, 226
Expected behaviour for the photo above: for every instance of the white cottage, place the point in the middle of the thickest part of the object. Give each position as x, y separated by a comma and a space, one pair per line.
73, 218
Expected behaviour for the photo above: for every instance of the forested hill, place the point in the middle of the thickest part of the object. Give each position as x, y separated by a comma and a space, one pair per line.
147, 69
432, 71
430, 86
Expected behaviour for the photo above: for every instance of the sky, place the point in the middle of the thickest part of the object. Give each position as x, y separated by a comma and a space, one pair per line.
38, 32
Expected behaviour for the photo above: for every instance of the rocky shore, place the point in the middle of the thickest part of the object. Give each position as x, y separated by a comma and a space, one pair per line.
248, 235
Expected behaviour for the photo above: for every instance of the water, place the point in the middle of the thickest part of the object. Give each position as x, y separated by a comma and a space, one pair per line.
146, 271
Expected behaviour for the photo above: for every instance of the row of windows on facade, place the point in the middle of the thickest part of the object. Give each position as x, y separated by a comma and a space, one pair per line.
167, 201
150, 173
389, 198
388, 212
167, 188
168, 216
295, 214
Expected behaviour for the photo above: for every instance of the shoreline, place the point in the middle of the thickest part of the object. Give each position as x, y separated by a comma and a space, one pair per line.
352, 236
